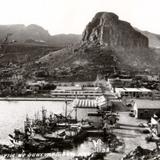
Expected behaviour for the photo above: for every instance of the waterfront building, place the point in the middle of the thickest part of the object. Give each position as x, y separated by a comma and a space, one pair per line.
148, 77
89, 109
134, 92
76, 91
119, 82
145, 109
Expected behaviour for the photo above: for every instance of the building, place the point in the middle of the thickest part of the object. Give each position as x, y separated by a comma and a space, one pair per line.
134, 92
148, 77
153, 77
78, 88
101, 101
69, 88
88, 109
110, 95
100, 81
156, 94
76, 91
16, 77
145, 109
119, 82
95, 118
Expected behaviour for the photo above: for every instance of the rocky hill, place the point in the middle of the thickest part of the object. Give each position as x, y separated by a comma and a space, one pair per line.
143, 154
106, 29
107, 44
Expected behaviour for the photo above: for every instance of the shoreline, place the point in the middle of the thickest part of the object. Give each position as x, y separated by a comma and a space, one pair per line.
33, 99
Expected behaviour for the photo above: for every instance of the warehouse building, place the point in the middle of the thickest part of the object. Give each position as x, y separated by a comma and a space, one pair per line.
145, 109
88, 109
134, 92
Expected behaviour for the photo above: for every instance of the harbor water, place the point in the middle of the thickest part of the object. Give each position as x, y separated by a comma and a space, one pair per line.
13, 114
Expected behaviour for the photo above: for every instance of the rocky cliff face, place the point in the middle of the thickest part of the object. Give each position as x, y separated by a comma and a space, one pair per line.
106, 29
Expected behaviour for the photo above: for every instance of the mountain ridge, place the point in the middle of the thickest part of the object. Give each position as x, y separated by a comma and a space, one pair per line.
68, 39
33, 32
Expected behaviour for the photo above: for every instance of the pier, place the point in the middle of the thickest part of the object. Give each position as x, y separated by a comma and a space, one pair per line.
34, 99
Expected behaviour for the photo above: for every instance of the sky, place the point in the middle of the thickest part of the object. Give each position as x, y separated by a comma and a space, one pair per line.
72, 16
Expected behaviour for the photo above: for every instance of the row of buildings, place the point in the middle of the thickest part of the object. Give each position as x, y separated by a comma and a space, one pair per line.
145, 102
76, 91
88, 101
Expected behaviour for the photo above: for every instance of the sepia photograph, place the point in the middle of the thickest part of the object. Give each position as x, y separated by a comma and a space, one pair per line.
79, 80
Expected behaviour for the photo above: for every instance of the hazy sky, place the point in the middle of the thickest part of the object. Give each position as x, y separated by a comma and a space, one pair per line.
71, 16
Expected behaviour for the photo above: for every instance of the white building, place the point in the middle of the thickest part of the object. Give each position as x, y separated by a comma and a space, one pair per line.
153, 77
145, 109
88, 109
76, 91
133, 92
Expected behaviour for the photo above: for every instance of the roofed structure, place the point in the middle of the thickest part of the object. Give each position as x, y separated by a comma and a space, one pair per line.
147, 104
85, 103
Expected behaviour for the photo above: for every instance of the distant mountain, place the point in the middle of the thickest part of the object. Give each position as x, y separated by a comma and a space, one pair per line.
21, 33
154, 39
36, 34
65, 39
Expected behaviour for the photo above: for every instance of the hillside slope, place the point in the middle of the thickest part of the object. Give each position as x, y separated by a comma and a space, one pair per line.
104, 48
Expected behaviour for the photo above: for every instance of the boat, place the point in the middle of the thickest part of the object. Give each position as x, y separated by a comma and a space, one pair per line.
47, 133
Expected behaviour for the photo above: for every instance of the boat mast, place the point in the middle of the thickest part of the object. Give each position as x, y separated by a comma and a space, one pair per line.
66, 108
76, 113
44, 115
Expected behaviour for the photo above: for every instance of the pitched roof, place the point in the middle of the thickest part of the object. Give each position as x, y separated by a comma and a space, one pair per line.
133, 90
85, 103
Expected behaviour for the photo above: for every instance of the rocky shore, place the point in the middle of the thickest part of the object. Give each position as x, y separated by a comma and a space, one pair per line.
142, 154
